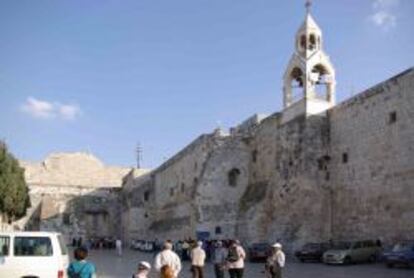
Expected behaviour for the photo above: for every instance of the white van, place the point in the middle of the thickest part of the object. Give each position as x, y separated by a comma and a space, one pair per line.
33, 255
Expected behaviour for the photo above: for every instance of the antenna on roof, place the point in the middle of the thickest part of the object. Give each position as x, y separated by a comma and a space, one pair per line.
139, 155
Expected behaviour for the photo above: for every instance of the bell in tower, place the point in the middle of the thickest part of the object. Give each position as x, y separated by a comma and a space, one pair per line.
309, 80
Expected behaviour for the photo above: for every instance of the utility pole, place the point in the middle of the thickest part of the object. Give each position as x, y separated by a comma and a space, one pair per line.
139, 155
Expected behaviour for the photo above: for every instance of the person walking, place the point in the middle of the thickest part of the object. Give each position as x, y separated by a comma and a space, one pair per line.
198, 258
275, 262
219, 259
80, 268
235, 259
143, 270
168, 259
118, 245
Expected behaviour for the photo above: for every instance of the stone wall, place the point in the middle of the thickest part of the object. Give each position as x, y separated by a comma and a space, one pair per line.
75, 194
292, 181
73, 169
372, 166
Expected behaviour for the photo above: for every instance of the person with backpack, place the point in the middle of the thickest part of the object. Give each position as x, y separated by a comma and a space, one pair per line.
235, 259
80, 268
275, 262
168, 260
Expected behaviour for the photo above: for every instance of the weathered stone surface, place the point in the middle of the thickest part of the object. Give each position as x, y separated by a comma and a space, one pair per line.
76, 194
73, 169
292, 184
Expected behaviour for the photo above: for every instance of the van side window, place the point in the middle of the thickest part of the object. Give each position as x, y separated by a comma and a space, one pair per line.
4, 246
358, 245
32, 246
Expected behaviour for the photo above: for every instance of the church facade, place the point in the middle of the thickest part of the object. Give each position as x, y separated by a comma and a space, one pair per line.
314, 171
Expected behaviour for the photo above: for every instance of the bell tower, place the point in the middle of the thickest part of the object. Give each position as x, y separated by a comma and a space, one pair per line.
309, 81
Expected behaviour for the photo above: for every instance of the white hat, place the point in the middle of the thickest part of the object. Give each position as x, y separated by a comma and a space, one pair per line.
199, 243
277, 245
145, 264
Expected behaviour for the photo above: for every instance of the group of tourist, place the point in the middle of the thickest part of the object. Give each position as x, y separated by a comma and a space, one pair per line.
227, 257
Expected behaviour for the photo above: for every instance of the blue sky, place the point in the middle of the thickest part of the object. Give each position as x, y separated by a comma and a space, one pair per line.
100, 75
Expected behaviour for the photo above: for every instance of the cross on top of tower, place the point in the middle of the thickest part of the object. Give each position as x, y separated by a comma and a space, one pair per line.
308, 5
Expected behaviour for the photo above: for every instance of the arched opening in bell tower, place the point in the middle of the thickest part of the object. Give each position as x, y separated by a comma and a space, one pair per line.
322, 82
296, 85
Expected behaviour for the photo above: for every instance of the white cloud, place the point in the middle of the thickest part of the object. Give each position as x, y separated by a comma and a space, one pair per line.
69, 112
43, 109
383, 14
384, 19
38, 108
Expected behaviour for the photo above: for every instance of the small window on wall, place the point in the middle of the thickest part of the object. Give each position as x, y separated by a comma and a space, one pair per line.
233, 176
345, 158
392, 117
66, 219
182, 187
146, 196
254, 155
218, 230
171, 192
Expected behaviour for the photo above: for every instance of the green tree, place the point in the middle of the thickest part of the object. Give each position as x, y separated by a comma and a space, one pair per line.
14, 193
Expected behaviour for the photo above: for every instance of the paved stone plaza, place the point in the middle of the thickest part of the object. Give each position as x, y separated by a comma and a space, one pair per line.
111, 266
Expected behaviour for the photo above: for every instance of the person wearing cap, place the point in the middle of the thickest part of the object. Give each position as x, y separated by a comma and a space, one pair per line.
198, 258
275, 262
143, 270
219, 259
168, 258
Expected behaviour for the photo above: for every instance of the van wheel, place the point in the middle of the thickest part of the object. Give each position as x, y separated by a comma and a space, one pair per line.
348, 260
390, 265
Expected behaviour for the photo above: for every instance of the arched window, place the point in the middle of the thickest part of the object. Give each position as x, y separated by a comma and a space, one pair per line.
233, 176
322, 80
296, 84
312, 42
302, 42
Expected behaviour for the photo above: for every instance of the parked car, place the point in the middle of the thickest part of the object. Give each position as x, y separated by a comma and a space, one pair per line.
312, 251
259, 251
33, 254
352, 252
401, 254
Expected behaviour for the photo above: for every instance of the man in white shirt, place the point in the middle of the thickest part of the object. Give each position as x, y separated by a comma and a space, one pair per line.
118, 245
198, 258
168, 257
276, 261
235, 260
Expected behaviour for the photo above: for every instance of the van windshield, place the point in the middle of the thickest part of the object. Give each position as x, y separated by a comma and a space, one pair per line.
342, 245
33, 246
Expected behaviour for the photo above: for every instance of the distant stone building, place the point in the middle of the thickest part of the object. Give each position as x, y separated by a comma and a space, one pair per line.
74, 193
314, 171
